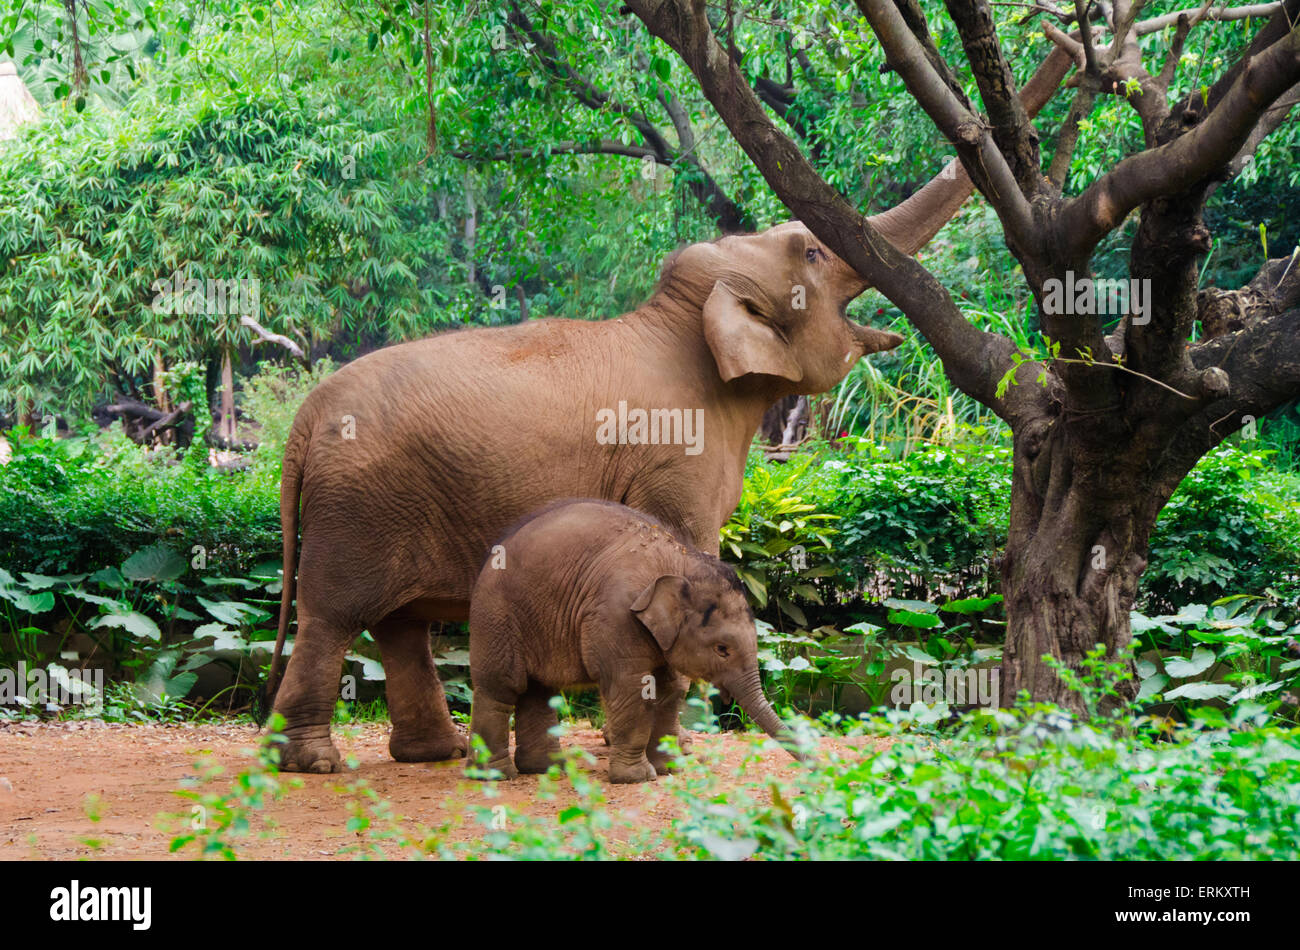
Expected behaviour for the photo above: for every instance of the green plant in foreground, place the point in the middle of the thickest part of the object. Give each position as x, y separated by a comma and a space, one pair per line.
217, 820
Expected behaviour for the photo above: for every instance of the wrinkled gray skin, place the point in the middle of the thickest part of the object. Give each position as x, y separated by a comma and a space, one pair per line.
411, 461
593, 593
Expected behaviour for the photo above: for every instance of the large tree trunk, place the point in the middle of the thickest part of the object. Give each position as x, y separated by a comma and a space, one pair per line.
1076, 549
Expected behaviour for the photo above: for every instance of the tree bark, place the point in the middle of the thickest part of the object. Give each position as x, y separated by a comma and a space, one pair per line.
1076, 549
227, 430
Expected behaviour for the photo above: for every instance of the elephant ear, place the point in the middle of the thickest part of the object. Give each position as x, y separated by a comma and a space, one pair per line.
741, 342
661, 607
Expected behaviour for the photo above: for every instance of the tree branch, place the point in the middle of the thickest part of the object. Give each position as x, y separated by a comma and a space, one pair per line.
1015, 136
980, 155
730, 216
1177, 166
279, 339
594, 147
1221, 14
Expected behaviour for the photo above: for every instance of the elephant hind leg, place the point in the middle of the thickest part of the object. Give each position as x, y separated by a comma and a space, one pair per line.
308, 693
535, 744
423, 730
490, 721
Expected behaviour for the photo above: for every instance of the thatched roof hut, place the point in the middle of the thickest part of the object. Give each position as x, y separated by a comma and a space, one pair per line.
17, 107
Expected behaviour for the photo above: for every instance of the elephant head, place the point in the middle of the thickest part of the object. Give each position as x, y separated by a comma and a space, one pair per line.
773, 303
755, 319
706, 630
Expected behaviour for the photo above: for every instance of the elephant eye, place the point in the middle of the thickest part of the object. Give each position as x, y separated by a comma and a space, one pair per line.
722, 650
814, 254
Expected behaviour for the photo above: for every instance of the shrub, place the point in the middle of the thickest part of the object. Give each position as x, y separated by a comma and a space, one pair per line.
1232, 525
272, 398
79, 504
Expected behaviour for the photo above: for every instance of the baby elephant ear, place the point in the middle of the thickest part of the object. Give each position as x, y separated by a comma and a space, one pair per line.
741, 342
662, 608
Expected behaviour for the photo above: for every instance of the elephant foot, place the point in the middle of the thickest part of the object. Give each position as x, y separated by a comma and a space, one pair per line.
499, 763
536, 760
405, 746
310, 755
663, 763
627, 773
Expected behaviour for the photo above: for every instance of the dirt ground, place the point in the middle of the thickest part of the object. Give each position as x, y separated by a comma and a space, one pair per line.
55, 776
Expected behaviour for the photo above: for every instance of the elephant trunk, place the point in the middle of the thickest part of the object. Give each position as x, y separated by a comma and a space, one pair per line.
747, 689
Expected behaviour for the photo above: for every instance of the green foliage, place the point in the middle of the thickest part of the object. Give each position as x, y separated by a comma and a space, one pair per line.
69, 505
926, 526
272, 398
1029, 783
218, 821
779, 543
1241, 652
310, 199
1232, 525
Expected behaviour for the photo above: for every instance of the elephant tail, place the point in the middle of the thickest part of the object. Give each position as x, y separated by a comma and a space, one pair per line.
290, 492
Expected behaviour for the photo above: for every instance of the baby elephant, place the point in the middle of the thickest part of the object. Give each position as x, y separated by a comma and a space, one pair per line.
585, 592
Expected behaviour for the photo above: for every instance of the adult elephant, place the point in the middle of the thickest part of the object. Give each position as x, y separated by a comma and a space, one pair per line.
413, 460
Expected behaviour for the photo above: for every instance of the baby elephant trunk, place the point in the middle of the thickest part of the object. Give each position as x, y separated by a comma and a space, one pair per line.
747, 689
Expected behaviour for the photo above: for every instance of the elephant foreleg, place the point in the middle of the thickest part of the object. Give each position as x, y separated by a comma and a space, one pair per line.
630, 718
423, 730
667, 721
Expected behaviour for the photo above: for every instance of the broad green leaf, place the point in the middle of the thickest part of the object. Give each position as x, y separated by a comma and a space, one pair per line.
233, 612
1151, 685
1201, 691
133, 622
971, 605
155, 563
915, 606
1181, 668
909, 618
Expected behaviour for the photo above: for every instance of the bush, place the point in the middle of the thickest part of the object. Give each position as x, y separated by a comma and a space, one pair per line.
79, 504
1031, 783
1232, 525
272, 398
931, 525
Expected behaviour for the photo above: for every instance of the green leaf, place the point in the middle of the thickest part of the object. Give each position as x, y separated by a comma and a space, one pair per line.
1152, 685
1181, 668
917, 654
916, 606
910, 618
792, 611
109, 577
28, 603
223, 638
234, 612
133, 622
1201, 691
158, 681
41, 582
155, 563
971, 605
371, 670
